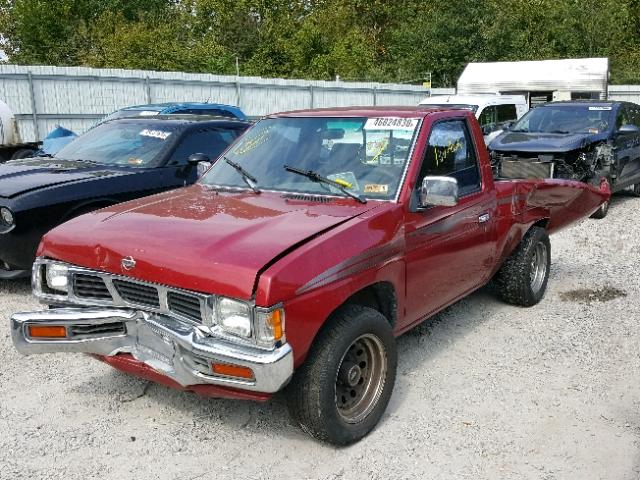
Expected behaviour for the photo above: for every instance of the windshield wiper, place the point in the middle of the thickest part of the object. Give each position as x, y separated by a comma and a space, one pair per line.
562, 132
249, 179
316, 177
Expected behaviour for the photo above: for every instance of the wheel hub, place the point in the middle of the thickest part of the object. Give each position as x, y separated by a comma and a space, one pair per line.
360, 378
350, 373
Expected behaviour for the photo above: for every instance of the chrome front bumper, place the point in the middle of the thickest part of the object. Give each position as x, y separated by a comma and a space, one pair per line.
180, 351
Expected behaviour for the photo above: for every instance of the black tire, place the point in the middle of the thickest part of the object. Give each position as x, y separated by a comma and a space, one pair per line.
23, 153
602, 211
312, 395
636, 190
518, 281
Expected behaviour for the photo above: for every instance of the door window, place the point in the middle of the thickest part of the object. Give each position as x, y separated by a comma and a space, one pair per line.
209, 142
507, 113
488, 117
451, 153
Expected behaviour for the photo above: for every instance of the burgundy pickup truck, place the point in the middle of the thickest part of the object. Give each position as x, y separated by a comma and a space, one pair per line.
296, 260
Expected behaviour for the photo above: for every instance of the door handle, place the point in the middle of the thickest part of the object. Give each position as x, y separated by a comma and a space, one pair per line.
484, 218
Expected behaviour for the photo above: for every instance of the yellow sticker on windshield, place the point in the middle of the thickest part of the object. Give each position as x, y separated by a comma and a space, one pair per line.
376, 188
343, 183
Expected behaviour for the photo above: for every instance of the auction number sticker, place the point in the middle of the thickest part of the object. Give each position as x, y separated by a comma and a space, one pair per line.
605, 109
162, 135
391, 123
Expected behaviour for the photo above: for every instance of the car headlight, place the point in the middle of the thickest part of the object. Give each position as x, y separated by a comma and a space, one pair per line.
57, 277
234, 317
6, 217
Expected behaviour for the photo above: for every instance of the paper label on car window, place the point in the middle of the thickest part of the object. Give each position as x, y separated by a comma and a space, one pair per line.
376, 188
148, 113
600, 108
391, 123
162, 135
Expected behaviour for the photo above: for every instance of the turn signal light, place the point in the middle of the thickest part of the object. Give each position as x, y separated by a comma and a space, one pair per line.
47, 331
276, 322
230, 370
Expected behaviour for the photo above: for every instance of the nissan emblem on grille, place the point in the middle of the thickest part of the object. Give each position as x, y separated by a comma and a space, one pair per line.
128, 263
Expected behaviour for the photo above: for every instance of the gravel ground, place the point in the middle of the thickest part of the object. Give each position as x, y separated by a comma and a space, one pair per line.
484, 390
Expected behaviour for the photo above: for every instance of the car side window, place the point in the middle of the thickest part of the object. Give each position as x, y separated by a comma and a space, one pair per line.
211, 142
450, 153
488, 116
623, 117
507, 113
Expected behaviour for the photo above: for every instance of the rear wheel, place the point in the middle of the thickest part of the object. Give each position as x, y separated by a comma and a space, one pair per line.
23, 153
343, 388
523, 278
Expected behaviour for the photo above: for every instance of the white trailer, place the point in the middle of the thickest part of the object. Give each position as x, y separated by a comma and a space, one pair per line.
539, 81
11, 143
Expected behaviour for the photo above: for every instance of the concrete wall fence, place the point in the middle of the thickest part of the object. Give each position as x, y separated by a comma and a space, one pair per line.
43, 97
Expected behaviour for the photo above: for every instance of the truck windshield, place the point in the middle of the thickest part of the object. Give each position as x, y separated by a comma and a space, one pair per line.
127, 143
367, 156
565, 119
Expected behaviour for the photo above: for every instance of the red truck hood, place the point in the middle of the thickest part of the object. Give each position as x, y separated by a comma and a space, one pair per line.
196, 238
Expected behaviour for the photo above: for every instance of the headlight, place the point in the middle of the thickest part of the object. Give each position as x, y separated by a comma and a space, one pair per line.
269, 326
6, 216
57, 277
234, 317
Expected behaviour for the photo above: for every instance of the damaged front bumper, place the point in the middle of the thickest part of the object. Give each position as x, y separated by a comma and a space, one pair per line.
184, 353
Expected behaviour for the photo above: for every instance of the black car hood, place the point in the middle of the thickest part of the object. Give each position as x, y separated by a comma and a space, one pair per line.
544, 142
21, 176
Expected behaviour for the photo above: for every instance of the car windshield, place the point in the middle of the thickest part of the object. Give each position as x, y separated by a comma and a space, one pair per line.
566, 119
463, 106
125, 143
365, 156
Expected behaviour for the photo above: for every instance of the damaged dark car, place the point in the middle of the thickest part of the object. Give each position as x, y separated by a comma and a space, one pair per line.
576, 140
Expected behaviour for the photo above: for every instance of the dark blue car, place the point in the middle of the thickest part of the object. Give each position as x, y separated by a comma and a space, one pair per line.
115, 161
576, 140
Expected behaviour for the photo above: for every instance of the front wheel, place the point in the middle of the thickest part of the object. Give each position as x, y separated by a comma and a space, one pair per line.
602, 211
522, 280
343, 388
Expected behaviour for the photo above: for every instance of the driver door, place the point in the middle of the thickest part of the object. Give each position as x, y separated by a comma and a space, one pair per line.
450, 250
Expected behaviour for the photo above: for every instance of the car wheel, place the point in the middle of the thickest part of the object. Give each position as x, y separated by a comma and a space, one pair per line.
602, 211
636, 190
522, 279
22, 153
344, 386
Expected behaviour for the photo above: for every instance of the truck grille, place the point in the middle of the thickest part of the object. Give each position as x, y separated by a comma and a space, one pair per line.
138, 294
89, 286
185, 304
525, 169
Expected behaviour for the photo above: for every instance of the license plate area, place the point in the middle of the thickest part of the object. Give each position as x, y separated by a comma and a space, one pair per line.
154, 348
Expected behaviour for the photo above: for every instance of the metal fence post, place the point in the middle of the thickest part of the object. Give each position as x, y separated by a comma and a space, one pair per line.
34, 112
147, 87
375, 96
238, 93
311, 99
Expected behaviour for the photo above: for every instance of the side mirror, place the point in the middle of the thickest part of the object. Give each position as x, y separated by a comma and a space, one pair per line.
487, 129
507, 125
201, 161
196, 158
439, 191
628, 128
